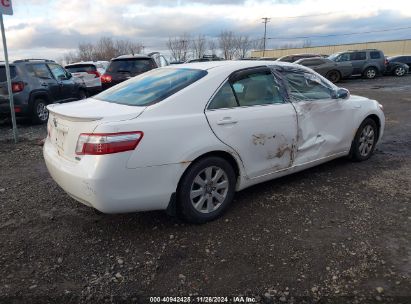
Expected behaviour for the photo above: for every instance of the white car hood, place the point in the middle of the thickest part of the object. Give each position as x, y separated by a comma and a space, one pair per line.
94, 109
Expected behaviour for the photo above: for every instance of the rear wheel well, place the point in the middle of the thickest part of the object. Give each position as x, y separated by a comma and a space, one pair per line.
223, 154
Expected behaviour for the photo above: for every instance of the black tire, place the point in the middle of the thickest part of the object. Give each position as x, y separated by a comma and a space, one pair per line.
82, 94
187, 185
361, 137
39, 112
399, 71
370, 73
334, 76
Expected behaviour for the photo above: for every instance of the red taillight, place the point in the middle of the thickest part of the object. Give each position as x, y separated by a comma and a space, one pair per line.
106, 78
95, 73
17, 86
17, 109
107, 143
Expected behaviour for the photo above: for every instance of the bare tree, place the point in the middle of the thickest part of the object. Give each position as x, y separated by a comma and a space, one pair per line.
243, 46
178, 47
228, 44
85, 51
198, 46
128, 47
212, 46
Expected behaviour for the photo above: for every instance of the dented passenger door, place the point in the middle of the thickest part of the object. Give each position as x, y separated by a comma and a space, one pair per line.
250, 114
324, 127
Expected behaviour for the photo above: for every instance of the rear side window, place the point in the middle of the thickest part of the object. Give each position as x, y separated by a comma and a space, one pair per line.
81, 68
131, 66
3, 76
224, 98
39, 70
151, 87
375, 55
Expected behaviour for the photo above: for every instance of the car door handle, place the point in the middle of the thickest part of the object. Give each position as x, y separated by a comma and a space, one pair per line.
226, 121
44, 84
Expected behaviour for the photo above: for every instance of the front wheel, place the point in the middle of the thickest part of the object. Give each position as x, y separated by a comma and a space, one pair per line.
206, 190
364, 141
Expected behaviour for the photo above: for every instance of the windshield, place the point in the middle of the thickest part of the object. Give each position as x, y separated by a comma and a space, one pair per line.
151, 87
131, 66
3, 77
333, 56
81, 68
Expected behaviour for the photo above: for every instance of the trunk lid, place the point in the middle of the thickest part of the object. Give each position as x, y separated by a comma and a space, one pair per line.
67, 121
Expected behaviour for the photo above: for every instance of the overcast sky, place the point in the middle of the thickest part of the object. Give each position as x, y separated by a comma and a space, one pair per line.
49, 28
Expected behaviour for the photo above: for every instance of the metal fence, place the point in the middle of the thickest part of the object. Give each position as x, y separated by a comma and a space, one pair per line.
390, 48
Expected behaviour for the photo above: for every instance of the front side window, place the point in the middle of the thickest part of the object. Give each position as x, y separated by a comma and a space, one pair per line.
305, 86
57, 71
343, 57
151, 87
256, 88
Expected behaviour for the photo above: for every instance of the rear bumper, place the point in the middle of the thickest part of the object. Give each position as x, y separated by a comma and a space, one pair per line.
105, 184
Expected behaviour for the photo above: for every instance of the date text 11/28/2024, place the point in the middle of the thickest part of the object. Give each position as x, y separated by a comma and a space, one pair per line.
203, 299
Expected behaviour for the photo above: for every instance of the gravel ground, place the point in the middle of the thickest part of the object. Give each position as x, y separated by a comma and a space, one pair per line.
337, 233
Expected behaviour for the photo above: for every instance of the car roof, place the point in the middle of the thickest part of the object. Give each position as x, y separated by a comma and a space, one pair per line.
130, 56
230, 65
82, 62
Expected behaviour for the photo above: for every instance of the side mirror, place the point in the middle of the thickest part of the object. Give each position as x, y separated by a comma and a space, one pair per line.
62, 77
69, 76
342, 93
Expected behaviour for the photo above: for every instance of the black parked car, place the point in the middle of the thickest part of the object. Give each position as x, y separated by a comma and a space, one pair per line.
397, 65
125, 67
35, 84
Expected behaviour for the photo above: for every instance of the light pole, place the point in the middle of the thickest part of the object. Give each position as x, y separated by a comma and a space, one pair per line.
265, 21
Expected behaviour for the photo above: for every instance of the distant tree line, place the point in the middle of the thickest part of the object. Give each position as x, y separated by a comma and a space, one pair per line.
228, 45
105, 49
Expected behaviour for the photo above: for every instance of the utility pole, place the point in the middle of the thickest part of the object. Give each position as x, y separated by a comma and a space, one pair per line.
265, 21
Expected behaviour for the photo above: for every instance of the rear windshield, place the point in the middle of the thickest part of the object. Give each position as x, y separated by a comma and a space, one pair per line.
132, 66
81, 68
151, 87
3, 76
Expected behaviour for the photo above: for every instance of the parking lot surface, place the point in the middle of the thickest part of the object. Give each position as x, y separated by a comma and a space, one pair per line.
340, 232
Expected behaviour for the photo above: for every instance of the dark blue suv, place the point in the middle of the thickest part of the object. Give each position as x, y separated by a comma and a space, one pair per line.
35, 84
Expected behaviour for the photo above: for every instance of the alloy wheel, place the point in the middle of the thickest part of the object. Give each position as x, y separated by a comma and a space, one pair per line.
366, 141
42, 112
371, 73
209, 189
400, 71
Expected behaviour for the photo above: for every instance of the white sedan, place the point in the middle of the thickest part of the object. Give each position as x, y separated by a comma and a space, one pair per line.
186, 138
